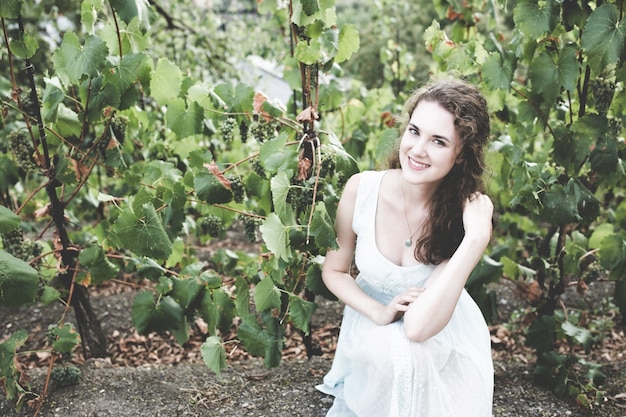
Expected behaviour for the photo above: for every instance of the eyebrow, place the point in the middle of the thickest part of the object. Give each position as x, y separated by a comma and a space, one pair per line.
411, 125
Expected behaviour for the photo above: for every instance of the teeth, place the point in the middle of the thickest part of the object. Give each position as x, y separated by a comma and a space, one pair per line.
418, 164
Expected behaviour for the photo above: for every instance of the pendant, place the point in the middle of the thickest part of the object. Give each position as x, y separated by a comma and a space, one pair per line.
408, 243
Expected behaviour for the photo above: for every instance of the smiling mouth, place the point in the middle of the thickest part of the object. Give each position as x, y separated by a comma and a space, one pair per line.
417, 165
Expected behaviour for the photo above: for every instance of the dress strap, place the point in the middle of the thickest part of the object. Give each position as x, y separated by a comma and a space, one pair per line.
366, 200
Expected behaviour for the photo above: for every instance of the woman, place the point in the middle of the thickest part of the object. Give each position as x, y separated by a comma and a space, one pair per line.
413, 342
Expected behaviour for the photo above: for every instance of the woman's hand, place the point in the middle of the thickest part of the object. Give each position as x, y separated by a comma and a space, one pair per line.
397, 306
477, 216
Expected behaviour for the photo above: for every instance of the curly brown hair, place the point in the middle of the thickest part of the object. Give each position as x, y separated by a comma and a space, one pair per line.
444, 232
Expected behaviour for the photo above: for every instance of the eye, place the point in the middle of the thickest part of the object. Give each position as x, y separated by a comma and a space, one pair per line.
413, 130
439, 142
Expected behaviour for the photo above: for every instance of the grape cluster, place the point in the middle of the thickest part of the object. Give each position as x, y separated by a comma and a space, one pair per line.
300, 195
27, 104
236, 186
328, 163
211, 225
65, 376
243, 131
603, 91
263, 131
14, 243
227, 126
118, 127
257, 167
22, 150
250, 226
593, 272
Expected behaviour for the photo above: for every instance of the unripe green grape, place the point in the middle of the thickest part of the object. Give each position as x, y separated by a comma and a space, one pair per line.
250, 225
65, 376
211, 225
603, 91
118, 127
257, 167
227, 126
236, 186
13, 243
243, 131
22, 150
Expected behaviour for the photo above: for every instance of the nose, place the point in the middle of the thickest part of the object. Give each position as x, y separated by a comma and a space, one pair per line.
419, 147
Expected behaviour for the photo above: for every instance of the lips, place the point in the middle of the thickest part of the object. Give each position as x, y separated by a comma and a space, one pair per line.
417, 165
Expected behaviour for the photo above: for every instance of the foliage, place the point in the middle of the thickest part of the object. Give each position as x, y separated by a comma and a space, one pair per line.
555, 83
122, 160
131, 142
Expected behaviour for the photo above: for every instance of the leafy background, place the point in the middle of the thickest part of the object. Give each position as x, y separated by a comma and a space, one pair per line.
138, 132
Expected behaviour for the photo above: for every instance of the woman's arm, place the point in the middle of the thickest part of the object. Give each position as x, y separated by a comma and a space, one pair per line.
430, 313
337, 265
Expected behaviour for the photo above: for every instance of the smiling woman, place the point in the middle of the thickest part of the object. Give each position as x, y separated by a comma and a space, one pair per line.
413, 342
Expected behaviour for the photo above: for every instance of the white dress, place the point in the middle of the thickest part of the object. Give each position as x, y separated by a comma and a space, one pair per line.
377, 371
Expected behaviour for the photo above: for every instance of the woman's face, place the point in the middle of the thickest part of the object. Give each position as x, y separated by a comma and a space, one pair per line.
430, 145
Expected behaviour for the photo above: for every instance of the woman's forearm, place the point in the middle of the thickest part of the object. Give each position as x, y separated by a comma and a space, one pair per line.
430, 313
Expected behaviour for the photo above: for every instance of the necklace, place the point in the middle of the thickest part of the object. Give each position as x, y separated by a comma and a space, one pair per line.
409, 241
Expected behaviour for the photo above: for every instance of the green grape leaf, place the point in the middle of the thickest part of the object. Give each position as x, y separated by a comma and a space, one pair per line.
49, 295
278, 157
52, 97
280, 189
143, 232
253, 338
540, 334
226, 310
579, 334
276, 237
11, 377
99, 267
89, 13
150, 316
301, 311
604, 158
98, 95
211, 188
309, 52
72, 61
310, 7
19, 281
11, 9
24, 47
185, 291
184, 121
236, 97
612, 254
548, 76
604, 37
535, 18
322, 228
599, 233
242, 298
214, 355
9, 221
349, 43
128, 10
67, 338
165, 82
130, 76
266, 295
558, 206
314, 280
498, 73
207, 310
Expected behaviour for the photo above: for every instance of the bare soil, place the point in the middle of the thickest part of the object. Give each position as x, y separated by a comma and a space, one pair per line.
153, 376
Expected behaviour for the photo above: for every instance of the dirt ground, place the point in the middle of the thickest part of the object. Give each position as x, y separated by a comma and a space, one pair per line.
153, 376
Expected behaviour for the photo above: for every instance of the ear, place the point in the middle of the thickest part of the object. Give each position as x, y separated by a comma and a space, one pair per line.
459, 159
